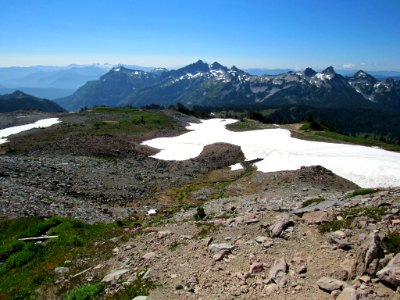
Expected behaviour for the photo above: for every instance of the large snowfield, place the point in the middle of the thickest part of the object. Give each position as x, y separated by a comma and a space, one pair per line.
17, 129
365, 166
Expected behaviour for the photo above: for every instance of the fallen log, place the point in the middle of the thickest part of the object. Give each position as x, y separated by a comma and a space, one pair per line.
38, 238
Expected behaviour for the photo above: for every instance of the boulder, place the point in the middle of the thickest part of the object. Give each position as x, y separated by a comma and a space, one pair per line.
369, 251
281, 224
391, 273
262, 239
256, 268
339, 238
220, 255
271, 289
349, 293
278, 272
315, 217
330, 284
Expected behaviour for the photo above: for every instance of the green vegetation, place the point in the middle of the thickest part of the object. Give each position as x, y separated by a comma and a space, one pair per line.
348, 215
354, 125
335, 137
246, 124
312, 201
200, 213
361, 192
392, 242
86, 292
128, 121
312, 125
334, 225
33, 264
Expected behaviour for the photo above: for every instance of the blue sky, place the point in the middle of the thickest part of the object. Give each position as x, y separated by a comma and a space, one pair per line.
258, 33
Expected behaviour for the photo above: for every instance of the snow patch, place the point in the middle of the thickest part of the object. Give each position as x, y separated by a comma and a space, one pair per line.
365, 166
4, 133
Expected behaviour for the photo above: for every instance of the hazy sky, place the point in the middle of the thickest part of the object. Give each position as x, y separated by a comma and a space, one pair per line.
246, 33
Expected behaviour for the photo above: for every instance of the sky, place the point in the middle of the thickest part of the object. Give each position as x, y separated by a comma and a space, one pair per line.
353, 34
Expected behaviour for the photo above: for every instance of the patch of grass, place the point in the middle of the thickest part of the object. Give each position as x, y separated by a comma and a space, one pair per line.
313, 125
392, 242
205, 229
361, 192
348, 216
312, 201
334, 225
18, 259
109, 109
33, 264
86, 292
245, 125
129, 122
325, 135
200, 213
375, 213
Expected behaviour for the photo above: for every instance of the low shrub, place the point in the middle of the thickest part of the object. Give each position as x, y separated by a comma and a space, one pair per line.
348, 215
86, 292
392, 242
361, 192
18, 259
200, 214
312, 201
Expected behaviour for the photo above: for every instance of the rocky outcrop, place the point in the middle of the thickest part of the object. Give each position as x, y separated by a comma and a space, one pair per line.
391, 273
368, 255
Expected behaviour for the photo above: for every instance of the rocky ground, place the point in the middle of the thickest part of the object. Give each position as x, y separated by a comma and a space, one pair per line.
263, 247
282, 235
59, 171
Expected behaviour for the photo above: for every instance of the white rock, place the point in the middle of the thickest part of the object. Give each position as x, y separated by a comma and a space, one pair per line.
61, 270
220, 247
114, 275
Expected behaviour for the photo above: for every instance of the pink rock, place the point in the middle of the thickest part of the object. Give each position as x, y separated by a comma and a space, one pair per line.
256, 268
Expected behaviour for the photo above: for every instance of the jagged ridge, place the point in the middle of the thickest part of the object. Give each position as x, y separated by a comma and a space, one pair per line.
206, 84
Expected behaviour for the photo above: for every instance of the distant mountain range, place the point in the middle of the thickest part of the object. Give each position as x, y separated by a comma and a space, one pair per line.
214, 85
21, 101
344, 72
53, 82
